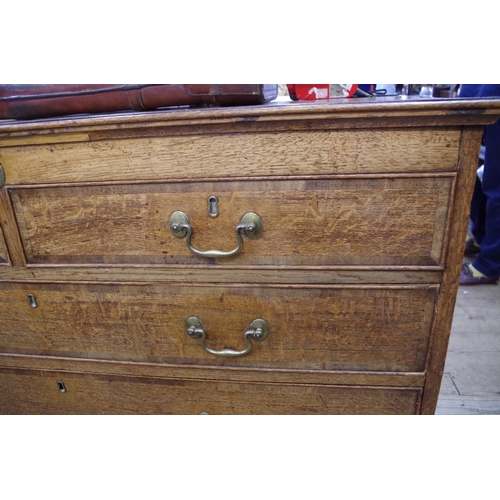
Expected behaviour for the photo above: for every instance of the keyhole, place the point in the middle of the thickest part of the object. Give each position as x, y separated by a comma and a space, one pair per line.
32, 301
213, 206
60, 386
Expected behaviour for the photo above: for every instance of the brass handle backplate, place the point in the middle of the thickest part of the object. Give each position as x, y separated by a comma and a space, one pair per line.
258, 329
250, 226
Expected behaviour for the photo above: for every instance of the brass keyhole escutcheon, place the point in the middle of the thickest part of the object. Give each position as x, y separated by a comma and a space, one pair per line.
213, 206
32, 301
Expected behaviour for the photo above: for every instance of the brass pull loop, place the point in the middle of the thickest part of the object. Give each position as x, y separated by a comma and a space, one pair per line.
258, 329
250, 226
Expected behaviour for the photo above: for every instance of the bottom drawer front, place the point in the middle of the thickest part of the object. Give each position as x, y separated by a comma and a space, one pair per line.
58, 393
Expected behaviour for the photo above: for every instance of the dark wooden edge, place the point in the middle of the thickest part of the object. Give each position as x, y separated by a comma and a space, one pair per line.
289, 286
481, 111
10, 230
192, 372
158, 275
267, 178
3, 243
235, 125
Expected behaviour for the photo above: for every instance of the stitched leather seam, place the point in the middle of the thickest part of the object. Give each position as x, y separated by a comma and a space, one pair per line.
137, 100
128, 100
141, 101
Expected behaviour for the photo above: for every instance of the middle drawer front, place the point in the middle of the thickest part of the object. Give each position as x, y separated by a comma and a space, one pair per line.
317, 222
315, 328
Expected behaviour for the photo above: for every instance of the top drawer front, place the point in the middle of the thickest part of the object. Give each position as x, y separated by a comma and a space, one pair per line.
234, 155
340, 222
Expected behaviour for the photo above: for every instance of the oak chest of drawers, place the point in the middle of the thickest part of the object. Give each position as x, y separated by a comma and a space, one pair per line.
279, 259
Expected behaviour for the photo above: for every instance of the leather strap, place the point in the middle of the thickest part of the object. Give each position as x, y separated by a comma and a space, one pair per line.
72, 93
46, 100
134, 98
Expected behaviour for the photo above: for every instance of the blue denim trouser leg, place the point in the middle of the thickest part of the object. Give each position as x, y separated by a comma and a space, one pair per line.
478, 212
485, 207
488, 260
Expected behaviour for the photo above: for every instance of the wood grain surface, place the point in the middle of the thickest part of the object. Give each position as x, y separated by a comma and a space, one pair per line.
10, 230
457, 235
205, 372
323, 328
342, 222
38, 393
379, 112
364, 205
64, 273
230, 155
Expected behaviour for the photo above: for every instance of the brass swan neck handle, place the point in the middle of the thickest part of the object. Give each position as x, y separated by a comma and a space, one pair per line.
258, 329
250, 225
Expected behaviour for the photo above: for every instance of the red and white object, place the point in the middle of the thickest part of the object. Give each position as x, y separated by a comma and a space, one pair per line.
319, 91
